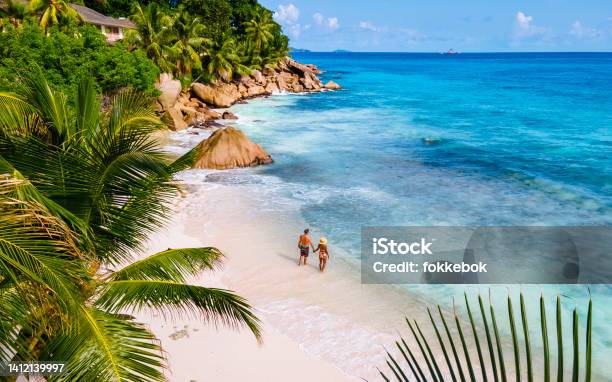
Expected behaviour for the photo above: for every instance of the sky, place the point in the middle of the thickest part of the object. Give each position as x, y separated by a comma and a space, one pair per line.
440, 25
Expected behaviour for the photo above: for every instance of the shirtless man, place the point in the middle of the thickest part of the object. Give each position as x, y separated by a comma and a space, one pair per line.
304, 244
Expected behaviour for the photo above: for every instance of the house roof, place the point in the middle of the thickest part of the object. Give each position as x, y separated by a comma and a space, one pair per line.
89, 15
92, 17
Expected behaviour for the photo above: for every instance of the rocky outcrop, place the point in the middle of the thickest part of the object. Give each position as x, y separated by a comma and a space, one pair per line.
228, 115
331, 85
185, 111
174, 119
229, 148
192, 108
224, 95
288, 76
170, 90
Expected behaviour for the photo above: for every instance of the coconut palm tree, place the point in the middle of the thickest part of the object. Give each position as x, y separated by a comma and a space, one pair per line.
80, 190
14, 12
52, 10
153, 28
223, 59
458, 360
190, 44
259, 31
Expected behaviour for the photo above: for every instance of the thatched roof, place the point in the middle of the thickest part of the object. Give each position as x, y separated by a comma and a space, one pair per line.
229, 148
92, 17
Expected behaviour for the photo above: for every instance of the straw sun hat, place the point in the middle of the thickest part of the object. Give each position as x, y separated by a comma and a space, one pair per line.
323, 241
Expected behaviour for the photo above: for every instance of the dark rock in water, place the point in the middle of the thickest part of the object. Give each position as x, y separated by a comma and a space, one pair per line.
213, 124
432, 141
229, 115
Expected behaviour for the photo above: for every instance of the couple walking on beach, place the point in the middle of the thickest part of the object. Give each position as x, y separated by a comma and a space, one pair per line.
304, 244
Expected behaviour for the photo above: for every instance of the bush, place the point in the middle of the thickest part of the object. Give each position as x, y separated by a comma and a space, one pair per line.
66, 55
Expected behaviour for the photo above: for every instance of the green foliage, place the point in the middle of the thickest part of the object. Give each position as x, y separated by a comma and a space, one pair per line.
80, 190
113, 8
214, 14
204, 39
52, 11
209, 40
189, 43
66, 56
151, 35
465, 369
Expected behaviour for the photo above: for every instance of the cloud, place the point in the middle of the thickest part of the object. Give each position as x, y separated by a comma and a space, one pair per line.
523, 21
581, 32
524, 26
288, 14
332, 23
367, 25
293, 30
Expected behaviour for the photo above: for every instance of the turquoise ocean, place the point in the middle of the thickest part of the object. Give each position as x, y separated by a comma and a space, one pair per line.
431, 139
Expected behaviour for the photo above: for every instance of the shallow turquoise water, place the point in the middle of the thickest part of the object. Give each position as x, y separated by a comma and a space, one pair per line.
428, 139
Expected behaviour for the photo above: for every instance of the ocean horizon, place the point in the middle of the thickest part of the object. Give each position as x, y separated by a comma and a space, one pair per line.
296, 52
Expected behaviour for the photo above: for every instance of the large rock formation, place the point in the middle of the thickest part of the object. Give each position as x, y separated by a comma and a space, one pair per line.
192, 108
229, 148
170, 90
180, 109
224, 95
173, 118
288, 76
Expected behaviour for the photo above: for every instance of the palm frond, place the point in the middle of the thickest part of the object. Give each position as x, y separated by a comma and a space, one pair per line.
40, 250
14, 111
172, 298
467, 369
108, 348
87, 106
51, 105
171, 265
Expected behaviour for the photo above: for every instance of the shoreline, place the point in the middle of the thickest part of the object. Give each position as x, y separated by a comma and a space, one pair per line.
195, 106
284, 354
317, 326
225, 205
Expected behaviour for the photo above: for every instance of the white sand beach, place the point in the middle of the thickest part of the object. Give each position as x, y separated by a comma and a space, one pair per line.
323, 327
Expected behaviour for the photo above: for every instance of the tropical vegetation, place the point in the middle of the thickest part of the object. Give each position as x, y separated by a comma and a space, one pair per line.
457, 361
203, 40
83, 184
64, 59
81, 188
189, 41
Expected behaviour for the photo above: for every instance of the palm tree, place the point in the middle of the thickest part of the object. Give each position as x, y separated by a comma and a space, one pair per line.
79, 192
152, 33
15, 12
259, 31
460, 363
51, 10
223, 61
190, 44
